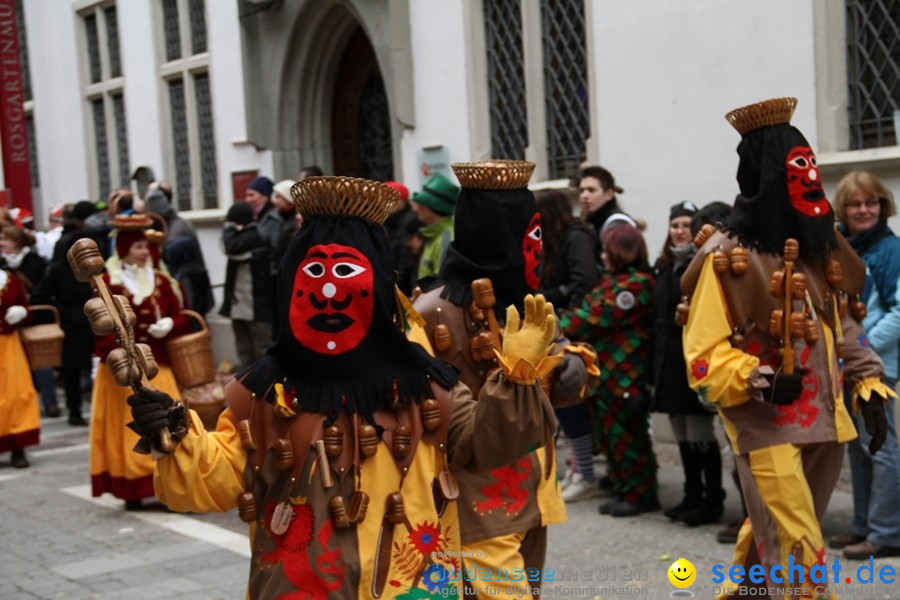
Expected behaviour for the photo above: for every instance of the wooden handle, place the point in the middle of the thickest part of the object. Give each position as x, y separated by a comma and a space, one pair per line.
787, 357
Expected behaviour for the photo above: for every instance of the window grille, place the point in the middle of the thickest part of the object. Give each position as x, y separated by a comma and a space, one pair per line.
208, 171
93, 47
565, 81
102, 151
23, 50
375, 132
181, 146
198, 26
32, 152
506, 78
170, 26
873, 71
121, 140
112, 42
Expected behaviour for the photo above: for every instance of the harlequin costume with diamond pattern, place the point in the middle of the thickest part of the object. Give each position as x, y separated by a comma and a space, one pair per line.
504, 514
363, 410
616, 317
789, 456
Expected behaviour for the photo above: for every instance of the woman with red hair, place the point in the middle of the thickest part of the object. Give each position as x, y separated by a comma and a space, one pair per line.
616, 317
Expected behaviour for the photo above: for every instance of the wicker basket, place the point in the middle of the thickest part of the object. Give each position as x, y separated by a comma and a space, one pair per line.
43, 343
191, 355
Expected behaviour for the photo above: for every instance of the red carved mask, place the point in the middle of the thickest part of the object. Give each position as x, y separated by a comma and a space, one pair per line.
332, 299
805, 184
531, 250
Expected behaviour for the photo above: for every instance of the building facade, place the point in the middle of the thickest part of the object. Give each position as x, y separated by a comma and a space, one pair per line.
206, 93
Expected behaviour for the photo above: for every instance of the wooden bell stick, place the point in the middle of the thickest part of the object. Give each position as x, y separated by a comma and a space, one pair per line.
791, 251
87, 265
483, 297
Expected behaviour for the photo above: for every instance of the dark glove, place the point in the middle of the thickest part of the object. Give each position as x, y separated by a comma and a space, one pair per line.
876, 423
571, 375
784, 388
152, 411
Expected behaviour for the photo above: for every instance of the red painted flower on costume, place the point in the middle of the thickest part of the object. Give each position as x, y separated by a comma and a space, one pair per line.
699, 369
805, 184
426, 538
531, 251
333, 299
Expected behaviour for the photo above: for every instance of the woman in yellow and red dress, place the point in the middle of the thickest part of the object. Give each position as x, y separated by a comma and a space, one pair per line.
20, 416
131, 272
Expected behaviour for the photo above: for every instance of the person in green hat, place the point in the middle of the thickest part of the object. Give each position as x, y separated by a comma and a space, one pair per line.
434, 205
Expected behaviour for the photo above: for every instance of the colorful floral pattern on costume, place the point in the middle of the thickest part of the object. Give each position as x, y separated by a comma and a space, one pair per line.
507, 492
419, 562
292, 553
802, 411
699, 369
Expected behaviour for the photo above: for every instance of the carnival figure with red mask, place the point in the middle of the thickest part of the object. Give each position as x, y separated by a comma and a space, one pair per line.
774, 335
342, 446
493, 261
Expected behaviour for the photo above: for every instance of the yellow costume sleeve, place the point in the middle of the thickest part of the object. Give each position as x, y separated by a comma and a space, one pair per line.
865, 387
718, 372
205, 471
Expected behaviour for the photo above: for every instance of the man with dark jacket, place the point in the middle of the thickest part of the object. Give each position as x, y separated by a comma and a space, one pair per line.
248, 299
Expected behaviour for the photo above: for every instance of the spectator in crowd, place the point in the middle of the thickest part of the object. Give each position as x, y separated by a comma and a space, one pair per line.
20, 417
46, 240
115, 467
568, 273
434, 207
615, 315
862, 205
17, 255
400, 223
310, 171
291, 220
268, 222
248, 299
597, 191
181, 250
692, 423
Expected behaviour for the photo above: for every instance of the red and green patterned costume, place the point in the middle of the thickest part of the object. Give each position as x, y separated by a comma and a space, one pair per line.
616, 318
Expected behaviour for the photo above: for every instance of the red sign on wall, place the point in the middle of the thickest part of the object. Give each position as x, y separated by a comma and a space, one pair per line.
13, 131
239, 182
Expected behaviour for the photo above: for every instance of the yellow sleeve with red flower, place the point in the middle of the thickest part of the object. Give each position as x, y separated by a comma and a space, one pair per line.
718, 372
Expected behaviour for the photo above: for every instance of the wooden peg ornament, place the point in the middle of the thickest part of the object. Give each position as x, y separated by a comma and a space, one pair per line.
442, 339
798, 324
247, 507
283, 449
482, 347
338, 512
368, 440
776, 284
334, 441
123, 369
791, 249
720, 261
776, 323
246, 435
738, 260
843, 304
359, 503
858, 309
431, 414
811, 333
834, 273
703, 235
98, 316
395, 511
476, 313
798, 285
400, 444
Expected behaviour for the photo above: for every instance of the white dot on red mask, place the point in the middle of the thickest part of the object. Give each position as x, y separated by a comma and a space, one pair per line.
813, 174
328, 290
817, 209
331, 345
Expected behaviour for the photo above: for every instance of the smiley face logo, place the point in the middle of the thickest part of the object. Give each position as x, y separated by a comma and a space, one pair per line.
682, 573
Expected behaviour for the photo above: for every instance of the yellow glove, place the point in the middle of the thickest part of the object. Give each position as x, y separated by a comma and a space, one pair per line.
527, 344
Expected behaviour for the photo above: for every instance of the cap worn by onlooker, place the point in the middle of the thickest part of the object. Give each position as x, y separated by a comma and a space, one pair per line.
240, 213
83, 209
401, 189
283, 188
263, 185
683, 209
439, 194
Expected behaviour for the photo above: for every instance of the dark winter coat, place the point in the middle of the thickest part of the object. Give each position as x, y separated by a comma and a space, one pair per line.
574, 272
249, 261
672, 394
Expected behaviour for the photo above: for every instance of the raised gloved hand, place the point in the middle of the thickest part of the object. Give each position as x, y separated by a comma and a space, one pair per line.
526, 343
784, 388
153, 410
161, 328
15, 314
875, 420
571, 376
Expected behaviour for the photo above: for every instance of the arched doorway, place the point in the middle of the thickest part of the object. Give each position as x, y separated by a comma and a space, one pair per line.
360, 119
